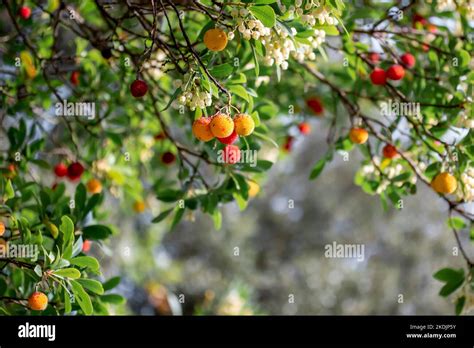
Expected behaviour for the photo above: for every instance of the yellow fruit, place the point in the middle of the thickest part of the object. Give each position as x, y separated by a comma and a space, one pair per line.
139, 206
94, 186
215, 39
358, 135
221, 125
444, 183
38, 301
244, 124
202, 129
254, 188
2, 228
28, 64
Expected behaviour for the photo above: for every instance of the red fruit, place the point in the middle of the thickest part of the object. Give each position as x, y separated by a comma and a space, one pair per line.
60, 170
231, 154
408, 60
75, 170
378, 77
11, 168
315, 105
168, 157
389, 151
160, 136
395, 72
86, 246
305, 128
287, 145
418, 19
374, 57
425, 47
75, 78
25, 12
432, 28
230, 139
138, 88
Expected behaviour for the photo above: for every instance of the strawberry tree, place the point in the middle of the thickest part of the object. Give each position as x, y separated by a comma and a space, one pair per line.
187, 102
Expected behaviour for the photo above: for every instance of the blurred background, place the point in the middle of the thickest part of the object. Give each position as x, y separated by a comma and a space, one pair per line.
270, 258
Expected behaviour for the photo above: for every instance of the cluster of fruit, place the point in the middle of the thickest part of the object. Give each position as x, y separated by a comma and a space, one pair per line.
74, 172
395, 72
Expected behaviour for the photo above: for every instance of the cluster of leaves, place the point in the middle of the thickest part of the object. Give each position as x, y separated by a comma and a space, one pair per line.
162, 41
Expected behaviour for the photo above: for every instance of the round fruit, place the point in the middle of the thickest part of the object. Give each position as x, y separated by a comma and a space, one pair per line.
2, 228
215, 39
202, 129
244, 124
86, 246
358, 135
288, 144
38, 301
378, 76
168, 157
75, 170
432, 28
389, 151
94, 186
408, 60
75, 78
419, 20
159, 136
138, 88
60, 170
139, 206
444, 183
374, 57
254, 188
315, 105
221, 125
395, 72
305, 128
230, 139
231, 154
25, 12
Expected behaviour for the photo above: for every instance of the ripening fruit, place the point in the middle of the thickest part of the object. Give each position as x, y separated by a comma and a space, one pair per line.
231, 154
159, 136
374, 57
25, 12
288, 144
75, 170
395, 72
444, 183
389, 151
11, 172
315, 105
75, 78
202, 129
305, 128
139, 206
244, 124
221, 125
94, 186
358, 135
432, 28
86, 246
254, 188
378, 76
2, 228
60, 170
168, 158
408, 60
418, 20
138, 88
230, 139
38, 301
215, 39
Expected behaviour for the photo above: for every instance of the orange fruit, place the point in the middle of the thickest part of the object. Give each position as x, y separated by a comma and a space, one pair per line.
139, 206
244, 124
94, 186
38, 301
202, 129
221, 125
358, 135
2, 228
215, 39
444, 183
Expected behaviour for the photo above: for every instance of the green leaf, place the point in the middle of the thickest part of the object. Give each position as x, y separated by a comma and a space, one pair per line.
318, 168
96, 232
70, 273
113, 298
111, 283
86, 261
460, 305
92, 285
265, 137
239, 91
82, 298
456, 223
9, 191
67, 228
177, 217
222, 71
162, 216
449, 274
169, 195
217, 218
265, 14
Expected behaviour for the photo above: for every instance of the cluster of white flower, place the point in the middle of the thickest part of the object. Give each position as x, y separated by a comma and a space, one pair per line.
318, 14
193, 96
155, 64
280, 43
451, 5
466, 189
